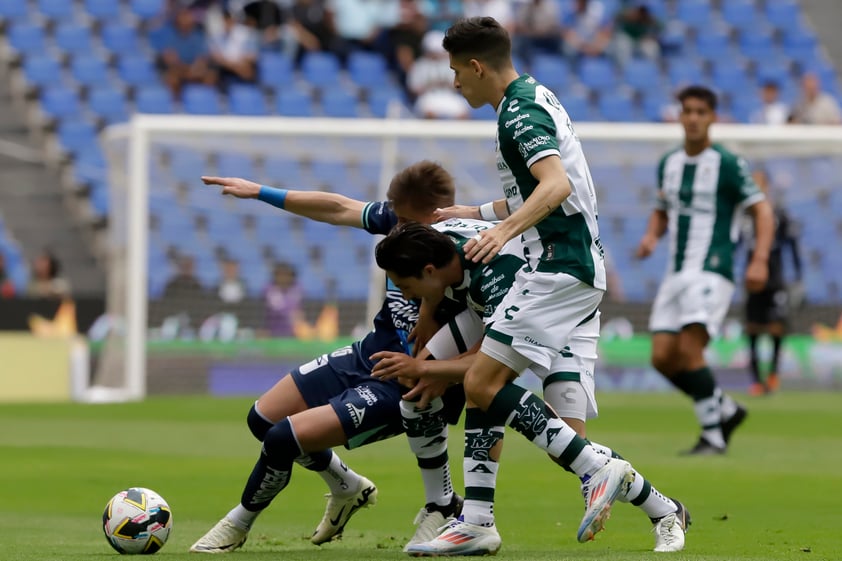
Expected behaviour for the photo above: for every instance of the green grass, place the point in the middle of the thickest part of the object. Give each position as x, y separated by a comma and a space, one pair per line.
774, 497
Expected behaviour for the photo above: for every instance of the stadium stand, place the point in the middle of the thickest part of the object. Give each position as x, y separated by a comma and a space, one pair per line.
90, 64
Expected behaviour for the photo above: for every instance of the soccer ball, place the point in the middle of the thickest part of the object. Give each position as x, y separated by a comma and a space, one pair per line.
137, 520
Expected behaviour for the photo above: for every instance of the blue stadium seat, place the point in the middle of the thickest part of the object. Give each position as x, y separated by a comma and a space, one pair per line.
695, 13
282, 172
642, 74
597, 74
484, 113
27, 38
332, 174
275, 70
13, 10
294, 103
56, 10
553, 71
103, 10
740, 14
100, 202
772, 70
320, 69
367, 70
578, 107
147, 9
201, 100
137, 70
730, 77
76, 135
714, 44
41, 70
89, 70
800, 44
742, 108
757, 43
340, 103
247, 100
120, 38
230, 164
154, 99
73, 38
380, 100
186, 165
616, 106
684, 71
782, 13
60, 102
108, 104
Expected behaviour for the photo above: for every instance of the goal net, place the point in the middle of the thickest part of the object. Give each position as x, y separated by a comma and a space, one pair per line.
198, 297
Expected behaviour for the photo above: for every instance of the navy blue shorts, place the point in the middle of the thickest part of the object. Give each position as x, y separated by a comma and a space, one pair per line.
368, 408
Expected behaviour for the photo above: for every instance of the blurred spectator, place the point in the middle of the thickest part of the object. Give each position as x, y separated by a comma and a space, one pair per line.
816, 107
184, 286
357, 25
268, 19
283, 302
431, 82
586, 29
501, 10
313, 28
233, 52
537, 28
405, 37
183, 55
46, 280
637, 32
7, 288
231, 288
772, 110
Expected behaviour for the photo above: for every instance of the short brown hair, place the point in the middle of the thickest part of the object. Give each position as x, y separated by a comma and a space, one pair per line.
425, 186
698, 92
482, 38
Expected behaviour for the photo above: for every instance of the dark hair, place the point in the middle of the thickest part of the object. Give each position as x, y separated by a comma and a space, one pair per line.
424, 185
698, 92
410, 247
482, 38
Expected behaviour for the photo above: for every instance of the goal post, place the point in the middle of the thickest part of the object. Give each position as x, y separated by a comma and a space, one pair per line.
150, 162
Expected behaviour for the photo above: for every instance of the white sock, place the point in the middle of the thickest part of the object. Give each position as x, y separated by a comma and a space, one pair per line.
342, 480
241, 517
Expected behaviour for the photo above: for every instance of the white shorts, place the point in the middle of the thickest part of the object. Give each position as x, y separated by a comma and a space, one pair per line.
536, 319
568, 383
689, 297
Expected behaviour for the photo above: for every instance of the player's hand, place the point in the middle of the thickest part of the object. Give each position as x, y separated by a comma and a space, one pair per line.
390, 365
757, 273
426, 391
236, 186
421, 334
485, 245
646, 246
456, 211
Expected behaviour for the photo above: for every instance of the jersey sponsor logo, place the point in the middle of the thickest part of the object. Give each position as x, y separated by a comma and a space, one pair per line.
526, 147
532, 341
312, 365
356, 414
551, 99
514, 106
510, 191
367, 395
517, 120
491, 282
520, 130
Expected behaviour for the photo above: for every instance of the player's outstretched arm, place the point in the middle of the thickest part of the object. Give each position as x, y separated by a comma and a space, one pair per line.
655, 228
316, 205
490, 211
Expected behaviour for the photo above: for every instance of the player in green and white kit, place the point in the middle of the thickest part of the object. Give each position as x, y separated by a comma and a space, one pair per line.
428, 262
551, 206
702, 191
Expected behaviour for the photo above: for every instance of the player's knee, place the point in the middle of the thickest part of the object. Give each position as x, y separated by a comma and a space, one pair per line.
258, 424
280, 444
664, 362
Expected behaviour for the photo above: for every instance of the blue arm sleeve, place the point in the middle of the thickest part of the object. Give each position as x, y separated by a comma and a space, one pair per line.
378, 218
272, 195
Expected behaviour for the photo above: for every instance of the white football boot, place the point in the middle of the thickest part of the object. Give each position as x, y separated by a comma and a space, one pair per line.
224, 537
670, 529
600, 492
340, 509
459, 538
431, 519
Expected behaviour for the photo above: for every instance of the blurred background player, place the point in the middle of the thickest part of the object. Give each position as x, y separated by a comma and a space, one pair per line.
700, 187
767, 310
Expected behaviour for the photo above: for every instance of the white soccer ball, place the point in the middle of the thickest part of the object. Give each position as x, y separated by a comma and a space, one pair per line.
137, 520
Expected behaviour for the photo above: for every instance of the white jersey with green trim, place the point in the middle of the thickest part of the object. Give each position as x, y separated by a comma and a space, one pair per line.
704, 196
532, 125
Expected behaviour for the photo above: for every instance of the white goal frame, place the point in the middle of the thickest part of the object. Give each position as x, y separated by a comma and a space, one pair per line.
141, 129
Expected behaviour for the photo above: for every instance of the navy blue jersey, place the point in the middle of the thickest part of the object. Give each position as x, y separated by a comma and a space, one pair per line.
397, 316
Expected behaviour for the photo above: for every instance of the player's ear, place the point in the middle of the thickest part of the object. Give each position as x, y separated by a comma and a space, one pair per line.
476, 67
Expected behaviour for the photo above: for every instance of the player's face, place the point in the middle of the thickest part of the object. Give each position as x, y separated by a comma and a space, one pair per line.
696, 118
466, 79
425, 286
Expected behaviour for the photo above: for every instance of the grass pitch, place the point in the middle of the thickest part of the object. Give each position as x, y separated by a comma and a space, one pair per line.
775, 496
